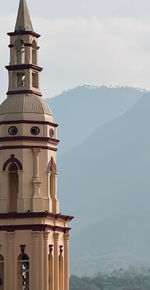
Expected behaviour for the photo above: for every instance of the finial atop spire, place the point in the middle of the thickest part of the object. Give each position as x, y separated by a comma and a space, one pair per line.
23, 22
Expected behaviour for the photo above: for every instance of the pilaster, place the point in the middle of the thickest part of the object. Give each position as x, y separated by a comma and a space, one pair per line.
35, 273
66, 261
11, 265
45, 256
56, 262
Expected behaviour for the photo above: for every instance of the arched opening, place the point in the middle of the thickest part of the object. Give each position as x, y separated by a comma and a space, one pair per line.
35, 82
1, 272
34, 52
61, 269
50, 280
53, 190
23, 272
13, 187
20, 80
19, 52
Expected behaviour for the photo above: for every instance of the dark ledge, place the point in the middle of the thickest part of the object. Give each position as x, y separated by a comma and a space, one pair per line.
18, 92
24, 33
16, 215
23, 66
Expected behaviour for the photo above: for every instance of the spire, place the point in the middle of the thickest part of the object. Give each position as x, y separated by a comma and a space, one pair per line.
23, 22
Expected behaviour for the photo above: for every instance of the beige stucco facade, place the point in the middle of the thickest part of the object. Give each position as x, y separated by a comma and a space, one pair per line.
34, 236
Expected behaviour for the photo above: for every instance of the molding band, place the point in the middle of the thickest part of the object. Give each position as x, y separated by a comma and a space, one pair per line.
27, 147
24, 33
18, 92
15, 215
23, 66
29, 122
30, 138
34, 227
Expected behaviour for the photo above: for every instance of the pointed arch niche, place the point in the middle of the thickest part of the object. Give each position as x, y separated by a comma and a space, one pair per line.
52, 170
12, 182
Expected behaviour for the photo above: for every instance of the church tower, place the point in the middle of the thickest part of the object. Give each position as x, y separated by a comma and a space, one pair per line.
34, 236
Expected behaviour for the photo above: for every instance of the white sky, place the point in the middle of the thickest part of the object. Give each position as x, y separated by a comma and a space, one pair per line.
91, 42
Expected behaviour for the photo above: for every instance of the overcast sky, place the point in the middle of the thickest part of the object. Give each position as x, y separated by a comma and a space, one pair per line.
91, 42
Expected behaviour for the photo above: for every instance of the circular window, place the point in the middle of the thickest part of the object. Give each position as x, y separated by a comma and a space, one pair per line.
35, 130
51, 133
12, 130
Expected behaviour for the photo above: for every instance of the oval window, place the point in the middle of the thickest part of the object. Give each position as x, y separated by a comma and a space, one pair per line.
35, 130
51, 133
13, 130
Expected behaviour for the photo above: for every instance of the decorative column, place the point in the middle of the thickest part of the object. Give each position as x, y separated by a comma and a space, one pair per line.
11, 271
66, 261
45, 249
56, 262
35, 273
37, 205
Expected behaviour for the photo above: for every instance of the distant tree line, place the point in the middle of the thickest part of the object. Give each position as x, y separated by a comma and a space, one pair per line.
129, 279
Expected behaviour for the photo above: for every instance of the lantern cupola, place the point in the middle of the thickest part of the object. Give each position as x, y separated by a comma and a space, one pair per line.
24, 71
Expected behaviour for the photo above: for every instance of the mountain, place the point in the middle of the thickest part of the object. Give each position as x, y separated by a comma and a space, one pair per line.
110, 167
106, 178
112, 243
104, 169
83, 109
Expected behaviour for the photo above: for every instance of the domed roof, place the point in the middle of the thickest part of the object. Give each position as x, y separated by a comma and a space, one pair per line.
24, 104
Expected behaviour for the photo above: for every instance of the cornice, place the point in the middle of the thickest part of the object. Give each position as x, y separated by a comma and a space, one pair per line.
30, 138
35, 227
28, 122
16, 215
18, 92
23, 66
24, 33
8, 147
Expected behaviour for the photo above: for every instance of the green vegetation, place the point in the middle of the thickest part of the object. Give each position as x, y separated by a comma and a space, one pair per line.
130, 279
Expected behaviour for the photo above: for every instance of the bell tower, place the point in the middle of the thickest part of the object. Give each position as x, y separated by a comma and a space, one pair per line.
34, 236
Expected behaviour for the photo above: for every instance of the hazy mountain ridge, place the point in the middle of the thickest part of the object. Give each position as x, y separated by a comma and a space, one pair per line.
83, 109
104, 182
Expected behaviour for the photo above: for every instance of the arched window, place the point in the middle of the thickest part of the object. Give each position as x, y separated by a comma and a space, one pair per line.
13, 187
20, 79
23, 272
1, 272
19, 52
61, 269
51, 270
35, 81
34, 52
